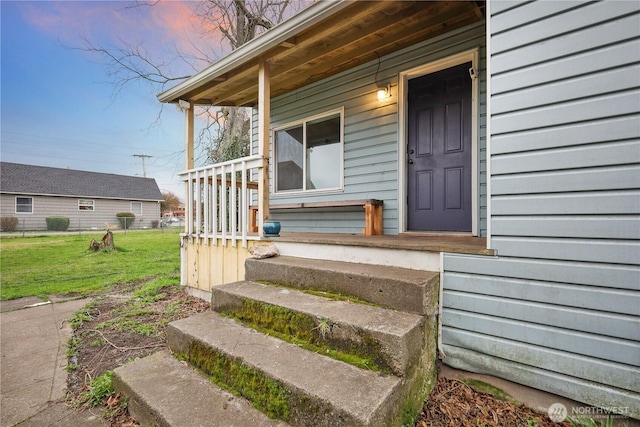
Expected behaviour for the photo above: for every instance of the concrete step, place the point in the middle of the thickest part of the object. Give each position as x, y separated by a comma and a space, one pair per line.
392, 339
402, 289
305, 388
163, 391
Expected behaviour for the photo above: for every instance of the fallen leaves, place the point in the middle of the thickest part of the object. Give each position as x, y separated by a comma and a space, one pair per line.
455, 404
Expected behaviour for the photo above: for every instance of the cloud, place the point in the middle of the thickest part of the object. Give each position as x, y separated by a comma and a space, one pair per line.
163, 28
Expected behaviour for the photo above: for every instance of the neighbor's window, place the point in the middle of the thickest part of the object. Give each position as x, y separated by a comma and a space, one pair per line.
24, 204
136, 208
86, 205
308, 154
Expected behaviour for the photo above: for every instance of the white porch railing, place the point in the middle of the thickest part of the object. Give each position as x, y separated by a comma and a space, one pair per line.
218, 198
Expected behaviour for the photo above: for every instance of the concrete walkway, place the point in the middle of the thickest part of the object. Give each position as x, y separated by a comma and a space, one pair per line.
33, 379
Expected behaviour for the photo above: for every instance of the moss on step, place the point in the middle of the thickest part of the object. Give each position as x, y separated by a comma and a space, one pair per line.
324, 294
266, 394
483, 387
310, 333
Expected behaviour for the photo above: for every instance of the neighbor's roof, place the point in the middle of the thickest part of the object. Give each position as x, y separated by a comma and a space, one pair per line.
325, 39
39, 180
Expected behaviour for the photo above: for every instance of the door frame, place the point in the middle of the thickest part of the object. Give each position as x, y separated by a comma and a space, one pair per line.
403, 103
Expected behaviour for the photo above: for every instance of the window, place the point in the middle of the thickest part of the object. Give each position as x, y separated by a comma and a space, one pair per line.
308, 155
136, 208
86, 205
24, 204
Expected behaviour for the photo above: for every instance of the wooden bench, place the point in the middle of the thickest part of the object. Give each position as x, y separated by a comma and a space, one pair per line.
372, 212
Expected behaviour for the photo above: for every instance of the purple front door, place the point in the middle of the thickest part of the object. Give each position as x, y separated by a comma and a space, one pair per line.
439, 151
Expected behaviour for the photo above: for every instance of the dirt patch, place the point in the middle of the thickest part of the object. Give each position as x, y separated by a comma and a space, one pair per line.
127, 324
118, 327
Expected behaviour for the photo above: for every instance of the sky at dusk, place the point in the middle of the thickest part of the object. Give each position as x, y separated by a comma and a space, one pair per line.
58, 107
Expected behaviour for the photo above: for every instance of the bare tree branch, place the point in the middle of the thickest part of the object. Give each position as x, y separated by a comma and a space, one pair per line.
226, 131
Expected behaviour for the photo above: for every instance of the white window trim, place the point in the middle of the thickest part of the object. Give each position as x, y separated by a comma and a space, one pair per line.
132, 211
33, 205
84, 202
302, 122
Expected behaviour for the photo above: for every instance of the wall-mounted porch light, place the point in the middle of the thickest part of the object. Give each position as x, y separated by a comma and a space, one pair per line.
384, 92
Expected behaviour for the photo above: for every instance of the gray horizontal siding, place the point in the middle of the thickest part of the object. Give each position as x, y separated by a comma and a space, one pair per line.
532, 353
604, 203
593, 179
558, 308
586, 274
104, 212
588, 327
547, 380
576, 320
588, 227
594, 155
572, 249
604, 32
610, 129
585, 63
568, 28
598, 298
371, 134
581, 110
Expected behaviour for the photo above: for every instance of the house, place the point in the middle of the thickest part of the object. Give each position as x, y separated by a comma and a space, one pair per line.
176, 212
498, 144
89, 199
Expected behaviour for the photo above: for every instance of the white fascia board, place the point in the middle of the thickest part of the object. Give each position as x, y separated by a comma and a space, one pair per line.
256, 47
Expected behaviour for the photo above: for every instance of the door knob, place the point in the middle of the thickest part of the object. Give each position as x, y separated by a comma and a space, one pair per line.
410, 161
411, 151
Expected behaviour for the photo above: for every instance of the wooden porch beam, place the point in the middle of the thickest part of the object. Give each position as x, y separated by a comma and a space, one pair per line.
189, 118
264, 120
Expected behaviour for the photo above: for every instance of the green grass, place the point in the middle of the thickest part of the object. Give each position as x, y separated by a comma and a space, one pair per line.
63, 265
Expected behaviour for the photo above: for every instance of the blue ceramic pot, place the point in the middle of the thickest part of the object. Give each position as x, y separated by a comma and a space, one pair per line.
271, 228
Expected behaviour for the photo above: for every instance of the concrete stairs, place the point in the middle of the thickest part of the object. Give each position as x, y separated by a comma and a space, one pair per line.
288, 342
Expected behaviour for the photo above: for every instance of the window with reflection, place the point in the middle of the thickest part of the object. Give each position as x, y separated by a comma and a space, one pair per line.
308, 154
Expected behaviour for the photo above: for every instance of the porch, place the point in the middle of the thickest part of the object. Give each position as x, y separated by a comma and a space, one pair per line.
452, 243
227, 195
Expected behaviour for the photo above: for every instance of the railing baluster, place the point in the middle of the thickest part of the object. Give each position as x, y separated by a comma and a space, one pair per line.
207, 208
244, 208
223, 202
233, 208
189, 212
198, 189
217, 207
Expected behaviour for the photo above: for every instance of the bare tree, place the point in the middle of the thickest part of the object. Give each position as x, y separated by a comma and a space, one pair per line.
226, 132
170, 203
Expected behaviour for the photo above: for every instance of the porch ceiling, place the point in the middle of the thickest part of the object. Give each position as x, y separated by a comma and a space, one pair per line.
350, 35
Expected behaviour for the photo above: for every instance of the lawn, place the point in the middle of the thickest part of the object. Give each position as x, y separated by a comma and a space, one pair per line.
63, 265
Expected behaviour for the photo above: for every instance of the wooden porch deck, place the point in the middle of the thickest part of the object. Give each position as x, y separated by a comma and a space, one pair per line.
416, 242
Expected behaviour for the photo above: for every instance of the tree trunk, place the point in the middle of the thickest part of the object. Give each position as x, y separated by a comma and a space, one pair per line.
105, 243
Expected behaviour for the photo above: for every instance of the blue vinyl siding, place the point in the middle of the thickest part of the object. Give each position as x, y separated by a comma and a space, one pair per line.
371, 133
558, 308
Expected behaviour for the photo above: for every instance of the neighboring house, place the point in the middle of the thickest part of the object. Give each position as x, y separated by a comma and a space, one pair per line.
90, 200
515, 122
177, 212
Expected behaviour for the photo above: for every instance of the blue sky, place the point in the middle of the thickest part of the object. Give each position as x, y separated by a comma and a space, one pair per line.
57, 105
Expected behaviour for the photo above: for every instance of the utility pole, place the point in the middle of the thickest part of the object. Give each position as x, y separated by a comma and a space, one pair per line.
143, 156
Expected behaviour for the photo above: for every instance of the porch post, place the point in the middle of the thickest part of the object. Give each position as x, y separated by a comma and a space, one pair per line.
188, 154
264, 119
188, 137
